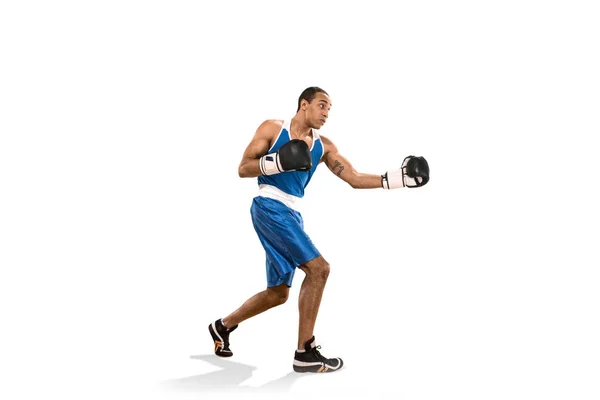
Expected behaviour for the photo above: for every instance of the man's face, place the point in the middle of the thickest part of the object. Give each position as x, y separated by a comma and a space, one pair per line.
317, 111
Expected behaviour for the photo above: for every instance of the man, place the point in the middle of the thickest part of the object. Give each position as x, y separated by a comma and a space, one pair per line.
284, 155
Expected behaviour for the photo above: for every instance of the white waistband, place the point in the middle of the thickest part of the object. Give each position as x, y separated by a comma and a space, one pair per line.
275, 193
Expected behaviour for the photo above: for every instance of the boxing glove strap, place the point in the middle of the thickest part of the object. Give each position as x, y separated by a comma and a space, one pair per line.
269, 164
393, 179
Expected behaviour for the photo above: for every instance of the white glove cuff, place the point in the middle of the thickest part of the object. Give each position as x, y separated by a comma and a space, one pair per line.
393, 179
269, 164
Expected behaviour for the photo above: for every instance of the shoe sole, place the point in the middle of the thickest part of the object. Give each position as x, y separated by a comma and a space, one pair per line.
316, 369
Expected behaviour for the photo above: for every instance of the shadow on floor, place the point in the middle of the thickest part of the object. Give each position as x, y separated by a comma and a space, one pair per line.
229, 378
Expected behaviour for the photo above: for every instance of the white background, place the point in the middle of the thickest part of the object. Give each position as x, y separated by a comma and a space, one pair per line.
125, 230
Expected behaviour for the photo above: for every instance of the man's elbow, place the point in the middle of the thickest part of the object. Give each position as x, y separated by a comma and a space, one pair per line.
354, 181
353, 184
243, 171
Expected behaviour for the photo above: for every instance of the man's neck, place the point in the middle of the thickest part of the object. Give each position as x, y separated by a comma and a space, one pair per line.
299, 127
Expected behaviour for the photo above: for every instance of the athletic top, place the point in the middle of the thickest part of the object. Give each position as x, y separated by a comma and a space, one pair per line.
293, 182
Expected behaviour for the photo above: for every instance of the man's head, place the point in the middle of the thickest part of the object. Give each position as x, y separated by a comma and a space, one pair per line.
315, 103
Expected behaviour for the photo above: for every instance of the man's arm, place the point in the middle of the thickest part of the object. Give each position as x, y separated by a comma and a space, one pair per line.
343, 169
414, 171
258, 147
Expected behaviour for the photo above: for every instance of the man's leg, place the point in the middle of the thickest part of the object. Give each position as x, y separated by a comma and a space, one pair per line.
221, 328
308, 358
311, 292
260, 302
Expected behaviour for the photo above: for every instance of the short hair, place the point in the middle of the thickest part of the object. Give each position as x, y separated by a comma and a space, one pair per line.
309, 94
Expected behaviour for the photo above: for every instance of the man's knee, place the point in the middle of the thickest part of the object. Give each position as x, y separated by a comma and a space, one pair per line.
278, 294
317, 268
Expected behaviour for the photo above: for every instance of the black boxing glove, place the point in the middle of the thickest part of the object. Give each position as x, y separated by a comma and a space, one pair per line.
414, 172
292, 156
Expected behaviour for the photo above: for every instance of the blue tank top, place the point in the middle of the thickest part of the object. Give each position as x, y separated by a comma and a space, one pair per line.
293, 182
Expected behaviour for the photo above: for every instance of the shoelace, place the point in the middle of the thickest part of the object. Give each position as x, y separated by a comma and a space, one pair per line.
318, 354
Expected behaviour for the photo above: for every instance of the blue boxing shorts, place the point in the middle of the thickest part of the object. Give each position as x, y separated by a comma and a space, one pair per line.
281, 232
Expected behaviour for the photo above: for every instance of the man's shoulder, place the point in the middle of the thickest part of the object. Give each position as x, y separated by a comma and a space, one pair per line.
278, 123
270, 127
325, 139
328, 145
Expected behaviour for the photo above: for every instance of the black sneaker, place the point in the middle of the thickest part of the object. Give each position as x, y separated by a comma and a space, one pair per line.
220, 335
312, 360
